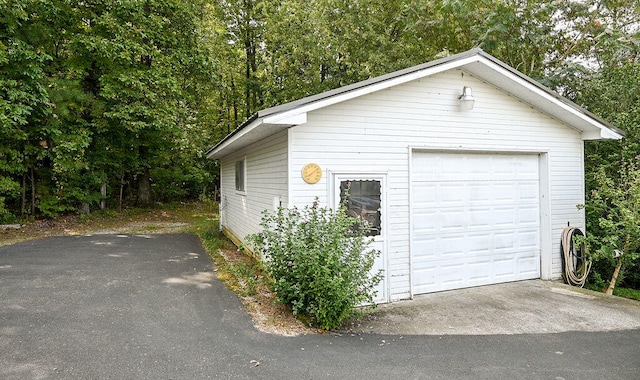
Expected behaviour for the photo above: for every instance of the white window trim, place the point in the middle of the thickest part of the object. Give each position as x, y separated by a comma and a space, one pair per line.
242, 159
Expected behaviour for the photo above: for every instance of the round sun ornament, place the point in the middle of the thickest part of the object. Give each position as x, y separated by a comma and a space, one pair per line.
311, 173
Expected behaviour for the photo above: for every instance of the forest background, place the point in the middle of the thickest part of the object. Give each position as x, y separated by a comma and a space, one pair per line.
111, 103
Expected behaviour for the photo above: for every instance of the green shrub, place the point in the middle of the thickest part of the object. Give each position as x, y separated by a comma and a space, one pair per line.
319, 262
6, 216
614, 219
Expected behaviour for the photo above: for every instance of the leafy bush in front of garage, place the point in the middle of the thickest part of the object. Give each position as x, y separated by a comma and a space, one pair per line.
319, 262
613, 216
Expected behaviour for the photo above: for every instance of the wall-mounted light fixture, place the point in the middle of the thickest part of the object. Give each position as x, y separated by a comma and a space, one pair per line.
466, 99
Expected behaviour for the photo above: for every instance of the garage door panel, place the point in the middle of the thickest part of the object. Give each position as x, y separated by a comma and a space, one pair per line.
475, 224
480, 192
450, 194
450, 275
471, 219
528, 215
528, 191
503, 217
425, 221
425, 192
526, 270
426, 249
479, 272
504, 241
449, 245
480, 217
503, 192
525, 167
478, 241
529, 239
447, 169
452, 220
477, 167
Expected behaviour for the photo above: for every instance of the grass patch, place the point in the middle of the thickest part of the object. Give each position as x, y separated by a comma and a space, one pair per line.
239, 272
617, 291
161, 218
627, 293
247, 275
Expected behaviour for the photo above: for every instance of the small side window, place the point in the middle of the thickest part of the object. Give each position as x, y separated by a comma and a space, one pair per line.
240, 175
362, 200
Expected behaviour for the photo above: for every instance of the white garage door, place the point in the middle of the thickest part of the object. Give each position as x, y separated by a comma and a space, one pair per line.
475, 219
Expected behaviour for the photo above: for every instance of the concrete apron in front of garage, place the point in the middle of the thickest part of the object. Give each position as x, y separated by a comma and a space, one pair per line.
524, 307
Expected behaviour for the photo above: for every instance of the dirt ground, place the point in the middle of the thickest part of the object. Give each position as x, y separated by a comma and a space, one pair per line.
268, 316
71, 225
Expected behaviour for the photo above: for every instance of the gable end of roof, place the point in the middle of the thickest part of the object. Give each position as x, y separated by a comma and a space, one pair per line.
476, 61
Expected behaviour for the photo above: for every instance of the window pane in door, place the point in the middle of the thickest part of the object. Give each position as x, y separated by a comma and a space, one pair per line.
362, 200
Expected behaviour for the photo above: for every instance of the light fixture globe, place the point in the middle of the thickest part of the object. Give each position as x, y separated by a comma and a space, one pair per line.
466, 99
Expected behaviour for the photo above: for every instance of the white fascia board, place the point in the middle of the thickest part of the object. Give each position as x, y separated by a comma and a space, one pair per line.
287, 118
603, 134
257, 129
591, 135
607, 133
244, 131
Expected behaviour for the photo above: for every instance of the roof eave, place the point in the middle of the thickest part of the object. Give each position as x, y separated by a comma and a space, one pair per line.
294, 113
254, 130
581, 117
216, 149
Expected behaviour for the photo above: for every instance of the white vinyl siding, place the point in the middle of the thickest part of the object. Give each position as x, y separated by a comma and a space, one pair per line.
376, 133
265, 176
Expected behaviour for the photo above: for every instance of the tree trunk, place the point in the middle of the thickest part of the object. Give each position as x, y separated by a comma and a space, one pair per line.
144, 187
103, 192
84, 209
614, 277
24, 194
33, 193
121, 193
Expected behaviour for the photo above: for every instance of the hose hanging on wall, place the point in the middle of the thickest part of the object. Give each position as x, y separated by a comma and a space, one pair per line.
575, 265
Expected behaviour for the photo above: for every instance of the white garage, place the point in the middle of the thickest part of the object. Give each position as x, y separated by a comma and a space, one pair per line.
470, 169
475, 219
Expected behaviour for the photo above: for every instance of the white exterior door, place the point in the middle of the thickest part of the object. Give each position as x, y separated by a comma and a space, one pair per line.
475, 219
366, 200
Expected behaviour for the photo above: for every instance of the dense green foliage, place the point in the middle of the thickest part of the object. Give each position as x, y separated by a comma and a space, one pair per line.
614, 205
101, 101
319, 262
613, 93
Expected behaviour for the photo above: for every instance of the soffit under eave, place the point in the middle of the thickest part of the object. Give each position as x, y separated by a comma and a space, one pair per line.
251, 134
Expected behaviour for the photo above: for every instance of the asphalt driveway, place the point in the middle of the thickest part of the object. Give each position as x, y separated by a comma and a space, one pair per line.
149, 307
